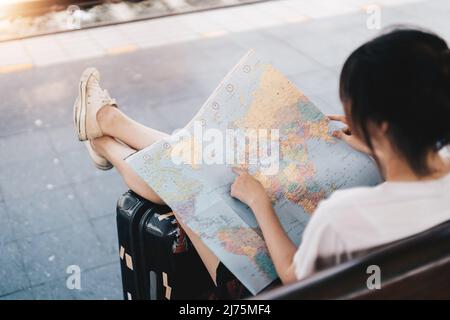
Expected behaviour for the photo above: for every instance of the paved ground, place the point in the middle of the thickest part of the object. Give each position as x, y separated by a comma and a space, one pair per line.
55, 208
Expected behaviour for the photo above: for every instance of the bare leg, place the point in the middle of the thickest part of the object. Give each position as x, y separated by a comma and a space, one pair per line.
115, 152
115, 123
209, 259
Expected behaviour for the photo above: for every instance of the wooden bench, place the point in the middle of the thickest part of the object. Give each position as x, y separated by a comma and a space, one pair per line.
417, 267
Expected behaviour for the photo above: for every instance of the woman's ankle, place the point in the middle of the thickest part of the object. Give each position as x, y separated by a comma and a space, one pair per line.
100, 145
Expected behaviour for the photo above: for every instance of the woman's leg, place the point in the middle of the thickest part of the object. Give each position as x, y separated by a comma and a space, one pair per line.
115, 152
117, 124
209, 259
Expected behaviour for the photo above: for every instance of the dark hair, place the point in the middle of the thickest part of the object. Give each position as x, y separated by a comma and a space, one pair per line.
403, 78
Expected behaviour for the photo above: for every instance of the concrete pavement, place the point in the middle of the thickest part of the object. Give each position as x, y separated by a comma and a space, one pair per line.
56, 209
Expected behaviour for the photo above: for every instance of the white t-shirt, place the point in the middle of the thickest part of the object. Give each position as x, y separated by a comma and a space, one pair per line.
366, 217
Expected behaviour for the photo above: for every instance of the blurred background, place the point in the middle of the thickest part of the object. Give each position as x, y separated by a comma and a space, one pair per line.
160, 59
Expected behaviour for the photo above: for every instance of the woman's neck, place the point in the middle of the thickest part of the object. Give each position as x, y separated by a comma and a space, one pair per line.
396, 168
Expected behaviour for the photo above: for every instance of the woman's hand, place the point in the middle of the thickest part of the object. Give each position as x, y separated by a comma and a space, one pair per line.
281, 248
247, 189
346, 135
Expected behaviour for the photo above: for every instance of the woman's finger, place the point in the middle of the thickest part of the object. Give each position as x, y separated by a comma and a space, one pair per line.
238, 171
348, 139
341, 133
336, 117
351, 141
337, 134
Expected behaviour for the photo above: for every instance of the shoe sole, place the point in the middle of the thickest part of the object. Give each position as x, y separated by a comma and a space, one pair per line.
104, 168
96, 158
80, 104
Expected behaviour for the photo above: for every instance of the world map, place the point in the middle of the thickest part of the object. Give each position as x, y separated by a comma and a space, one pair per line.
311, 164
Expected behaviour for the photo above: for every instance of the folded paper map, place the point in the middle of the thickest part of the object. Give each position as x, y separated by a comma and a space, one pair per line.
258, 120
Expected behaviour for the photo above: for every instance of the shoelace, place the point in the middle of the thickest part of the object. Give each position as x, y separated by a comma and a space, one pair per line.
103, 93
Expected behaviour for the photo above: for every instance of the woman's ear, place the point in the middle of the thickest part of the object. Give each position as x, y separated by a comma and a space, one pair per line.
379, 134
384, 127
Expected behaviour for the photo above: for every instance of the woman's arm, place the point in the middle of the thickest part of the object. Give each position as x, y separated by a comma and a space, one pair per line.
281, 248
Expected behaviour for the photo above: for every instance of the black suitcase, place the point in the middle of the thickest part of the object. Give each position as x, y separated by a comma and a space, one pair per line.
157, 259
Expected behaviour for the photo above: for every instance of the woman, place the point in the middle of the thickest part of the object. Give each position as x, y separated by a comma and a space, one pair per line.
395, 92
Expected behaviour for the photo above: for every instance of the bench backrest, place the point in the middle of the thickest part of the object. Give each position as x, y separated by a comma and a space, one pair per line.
412, 268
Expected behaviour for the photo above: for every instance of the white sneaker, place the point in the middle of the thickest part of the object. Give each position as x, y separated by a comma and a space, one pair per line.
91, 97
100, 162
